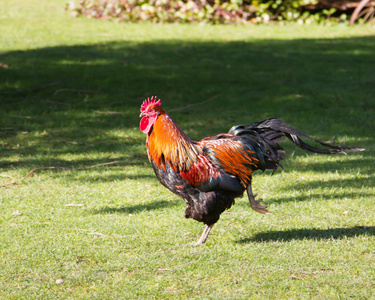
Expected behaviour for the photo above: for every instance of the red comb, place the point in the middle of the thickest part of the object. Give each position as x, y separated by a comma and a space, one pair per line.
148, 102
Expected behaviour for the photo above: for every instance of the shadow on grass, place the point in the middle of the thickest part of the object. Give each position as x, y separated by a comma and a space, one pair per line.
362, 166
334, 184
80, 164
310, 234
134, 209
74, 100
364, 161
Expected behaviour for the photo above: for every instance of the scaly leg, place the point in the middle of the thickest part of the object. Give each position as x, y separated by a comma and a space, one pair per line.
255, 204
204, 235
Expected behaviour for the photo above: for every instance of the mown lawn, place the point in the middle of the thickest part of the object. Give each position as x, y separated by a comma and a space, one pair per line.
83, 215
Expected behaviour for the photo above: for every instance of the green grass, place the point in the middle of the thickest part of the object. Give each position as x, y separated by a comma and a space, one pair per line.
128, 238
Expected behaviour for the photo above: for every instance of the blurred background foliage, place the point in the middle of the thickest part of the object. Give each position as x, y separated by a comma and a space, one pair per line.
219, 11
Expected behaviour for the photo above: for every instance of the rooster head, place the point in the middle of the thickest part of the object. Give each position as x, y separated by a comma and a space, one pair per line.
150, 110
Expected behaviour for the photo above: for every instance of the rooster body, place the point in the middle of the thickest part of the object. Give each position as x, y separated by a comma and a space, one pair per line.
209, 174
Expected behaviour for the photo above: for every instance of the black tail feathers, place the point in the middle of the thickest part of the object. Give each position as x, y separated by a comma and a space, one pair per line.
275, 130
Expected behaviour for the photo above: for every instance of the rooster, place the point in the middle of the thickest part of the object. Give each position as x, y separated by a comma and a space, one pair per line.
210, 173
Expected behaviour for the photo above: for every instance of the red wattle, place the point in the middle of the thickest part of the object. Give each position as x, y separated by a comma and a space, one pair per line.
147, 122
144, 124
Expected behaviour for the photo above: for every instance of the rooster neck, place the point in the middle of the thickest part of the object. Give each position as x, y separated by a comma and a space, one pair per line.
167, 143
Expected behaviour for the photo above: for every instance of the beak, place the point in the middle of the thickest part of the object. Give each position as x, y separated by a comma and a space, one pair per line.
142, 115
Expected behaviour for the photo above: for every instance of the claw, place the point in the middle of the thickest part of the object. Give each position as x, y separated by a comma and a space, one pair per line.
255, 204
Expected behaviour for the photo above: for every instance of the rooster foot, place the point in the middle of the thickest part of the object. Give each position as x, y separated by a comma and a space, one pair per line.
255, 204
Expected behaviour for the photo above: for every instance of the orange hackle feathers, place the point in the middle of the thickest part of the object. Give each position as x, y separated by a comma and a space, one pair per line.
168, 144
